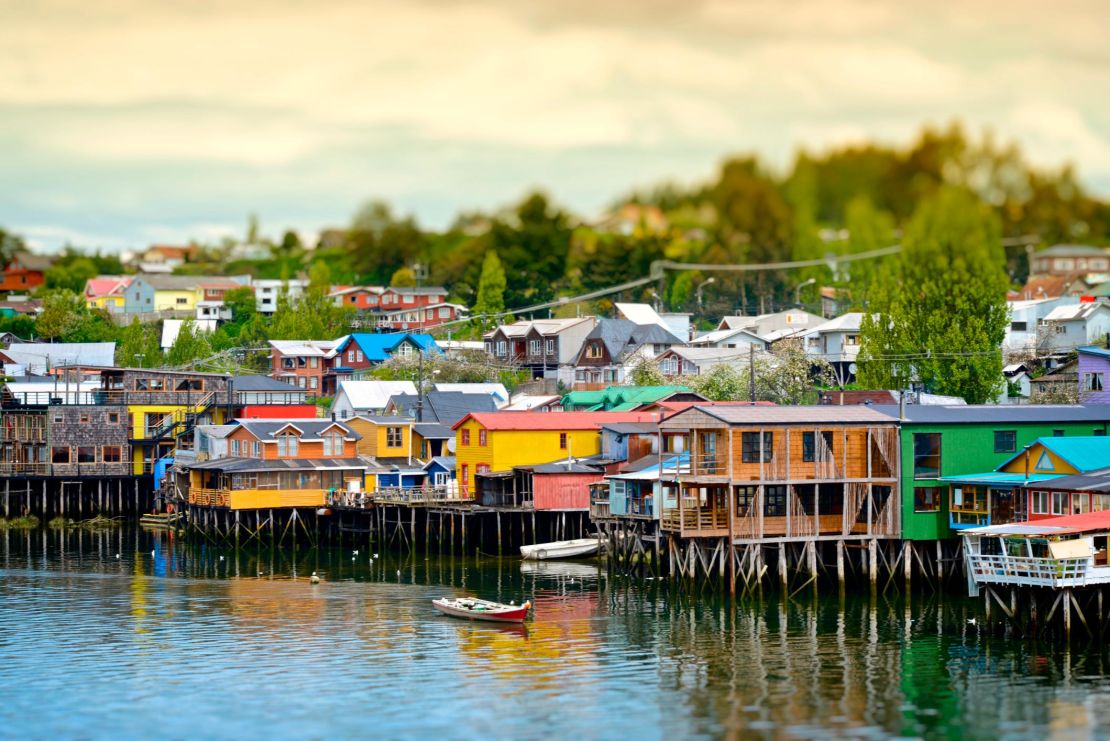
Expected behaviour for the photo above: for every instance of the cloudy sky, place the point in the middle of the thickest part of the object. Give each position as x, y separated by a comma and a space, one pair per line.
124, 122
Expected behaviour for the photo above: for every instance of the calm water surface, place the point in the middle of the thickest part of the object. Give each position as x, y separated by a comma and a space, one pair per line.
168, 640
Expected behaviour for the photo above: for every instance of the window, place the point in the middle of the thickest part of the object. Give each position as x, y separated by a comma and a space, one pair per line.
550, 344
593, 350
441, 478
926, 455
350, 356
1100, 502
111, 454
235, 448
407, 298
1059, 502
489, 347
405, 350
58, 419
465, 471
502, 348
562, 441
113, 418
358, 356
393, 437
851, 340
314, 362
287, 445
533, 347
1061, 329
482, 438
1005, 441
86, 454
926, 499
774, 504
465, 437
1099, 432
256, 449
84, 418
313, 382
669, 367
182, 301
1040, 502
1058, 433
482, 468
1018, 326
288, 364
749, 447
810, 450
444, 313
59, 455
333, 444
1092, 381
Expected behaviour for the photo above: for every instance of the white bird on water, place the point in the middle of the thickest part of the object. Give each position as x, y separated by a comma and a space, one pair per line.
221, 558
152, 553
314, 579
971, 621
375, 555
398, 572
117, 555
355, 552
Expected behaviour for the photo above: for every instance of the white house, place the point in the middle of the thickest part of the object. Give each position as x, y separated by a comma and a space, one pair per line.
1069, 327
837, 341
367, 397
1026, 316
266, 292
731, 338
693, 361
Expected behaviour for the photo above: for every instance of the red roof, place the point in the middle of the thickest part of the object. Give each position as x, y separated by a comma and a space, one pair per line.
554, 420
1086, 522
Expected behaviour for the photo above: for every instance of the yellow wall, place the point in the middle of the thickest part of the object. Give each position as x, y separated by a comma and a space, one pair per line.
1017, 465
167, 300
508, 448
375, 437
274, 498
106, 302
138, 413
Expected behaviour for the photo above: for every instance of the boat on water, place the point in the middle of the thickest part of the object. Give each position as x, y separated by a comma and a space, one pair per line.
561, 549
479, 609
161, 519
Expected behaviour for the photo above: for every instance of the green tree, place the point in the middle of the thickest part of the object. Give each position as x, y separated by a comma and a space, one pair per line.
62, 312
491, 289
71, 275
242, 303
139, 346
647, 373
10, 244
868, 229
191, 345
722, 382
381, 243
940, 315
403, 277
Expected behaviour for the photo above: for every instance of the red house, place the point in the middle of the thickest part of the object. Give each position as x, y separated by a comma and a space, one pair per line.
24, 272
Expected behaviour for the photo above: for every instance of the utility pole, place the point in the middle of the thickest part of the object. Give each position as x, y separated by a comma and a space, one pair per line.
420, 386
751, 372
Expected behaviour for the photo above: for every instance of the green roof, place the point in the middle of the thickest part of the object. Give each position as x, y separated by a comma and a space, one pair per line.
620, 398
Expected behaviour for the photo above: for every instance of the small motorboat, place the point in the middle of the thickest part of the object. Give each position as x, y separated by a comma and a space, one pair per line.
479, 609
561, 549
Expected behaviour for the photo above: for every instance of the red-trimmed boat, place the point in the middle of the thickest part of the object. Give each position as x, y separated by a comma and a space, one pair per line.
471, 608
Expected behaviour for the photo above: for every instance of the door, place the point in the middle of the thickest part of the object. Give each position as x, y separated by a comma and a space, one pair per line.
1002, 506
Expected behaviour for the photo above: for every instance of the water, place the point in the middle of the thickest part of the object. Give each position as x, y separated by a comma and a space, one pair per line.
181, 644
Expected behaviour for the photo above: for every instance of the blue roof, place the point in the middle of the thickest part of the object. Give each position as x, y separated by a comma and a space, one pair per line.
1102, 352
379, 347
1087, 453
996, 478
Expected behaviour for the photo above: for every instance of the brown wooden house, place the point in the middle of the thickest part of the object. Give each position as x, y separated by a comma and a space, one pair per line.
761, 473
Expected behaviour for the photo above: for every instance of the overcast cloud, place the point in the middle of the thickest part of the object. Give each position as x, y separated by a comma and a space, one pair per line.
129, 121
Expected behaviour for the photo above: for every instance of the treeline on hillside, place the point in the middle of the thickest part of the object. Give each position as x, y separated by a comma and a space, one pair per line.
846, 200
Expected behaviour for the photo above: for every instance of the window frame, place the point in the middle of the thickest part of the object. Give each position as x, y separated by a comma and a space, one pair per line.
1013, 441
918, 474
394, 437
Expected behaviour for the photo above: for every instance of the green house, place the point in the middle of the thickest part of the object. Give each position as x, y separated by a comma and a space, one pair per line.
942, 441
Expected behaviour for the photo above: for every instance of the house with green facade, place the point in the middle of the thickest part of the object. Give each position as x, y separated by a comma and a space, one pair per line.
942, 441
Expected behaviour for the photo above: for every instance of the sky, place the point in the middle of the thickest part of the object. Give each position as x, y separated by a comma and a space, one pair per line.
128, 122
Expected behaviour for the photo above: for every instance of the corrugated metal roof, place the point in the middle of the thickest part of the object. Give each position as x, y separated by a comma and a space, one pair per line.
553, 421
311, 429
999, 414
744, 415
248, 465
374, 394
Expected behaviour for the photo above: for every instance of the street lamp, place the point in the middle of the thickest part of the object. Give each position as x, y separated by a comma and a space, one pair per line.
658, 300
703, 284
798, 290
140, 357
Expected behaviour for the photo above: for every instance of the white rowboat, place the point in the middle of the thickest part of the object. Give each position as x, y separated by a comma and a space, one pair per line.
561, 549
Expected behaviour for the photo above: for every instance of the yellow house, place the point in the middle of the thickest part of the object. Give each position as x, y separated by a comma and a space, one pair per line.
498, 441
384, 436
106, 292
153, 428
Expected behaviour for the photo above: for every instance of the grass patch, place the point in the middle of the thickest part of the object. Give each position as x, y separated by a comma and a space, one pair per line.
99, 522
28, 522
60, 522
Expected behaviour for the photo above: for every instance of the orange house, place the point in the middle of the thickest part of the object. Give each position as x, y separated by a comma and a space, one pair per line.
24, 272
280, 463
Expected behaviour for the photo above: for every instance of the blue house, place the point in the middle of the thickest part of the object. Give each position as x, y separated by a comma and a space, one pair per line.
637, 490
440, 472
364, 350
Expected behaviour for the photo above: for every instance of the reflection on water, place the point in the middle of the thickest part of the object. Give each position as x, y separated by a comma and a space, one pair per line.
176, 640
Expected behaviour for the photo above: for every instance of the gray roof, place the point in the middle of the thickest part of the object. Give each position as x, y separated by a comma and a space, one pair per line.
1071, 249
263, 383
386, 419
445, 461
311, 429
1091, 481
433, 431
38, 355
632, 428
400, 464
246, 465
776, 415
445, 407
998, 414
618, 334
565, 467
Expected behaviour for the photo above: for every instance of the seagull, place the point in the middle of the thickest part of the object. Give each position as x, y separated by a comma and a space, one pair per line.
352, 559
971, 621
398, 572
221, 558
375, 555
314, 579
355, 552
117, 555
